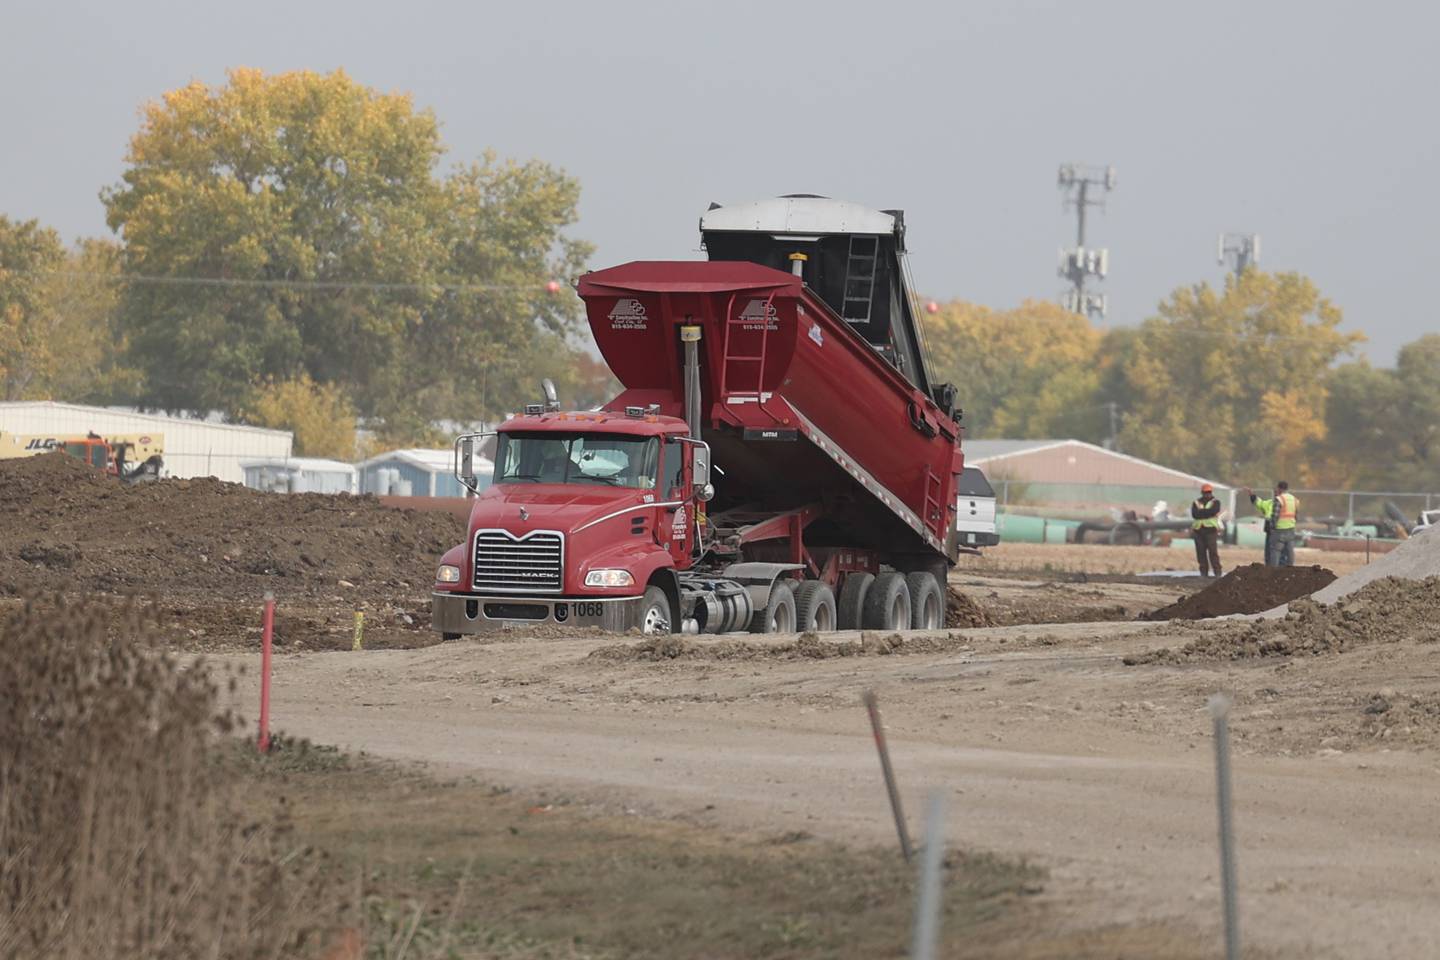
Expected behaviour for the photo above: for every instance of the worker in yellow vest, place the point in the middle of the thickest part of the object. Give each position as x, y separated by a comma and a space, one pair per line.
1205, 529
1279, 511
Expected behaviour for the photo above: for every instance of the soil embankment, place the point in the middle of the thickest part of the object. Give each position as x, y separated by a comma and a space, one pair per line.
65, 525
1253, 588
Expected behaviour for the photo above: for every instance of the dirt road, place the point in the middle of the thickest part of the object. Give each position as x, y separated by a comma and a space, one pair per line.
1046, 745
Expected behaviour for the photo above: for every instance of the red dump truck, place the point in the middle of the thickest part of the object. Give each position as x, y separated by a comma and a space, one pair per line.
778, 460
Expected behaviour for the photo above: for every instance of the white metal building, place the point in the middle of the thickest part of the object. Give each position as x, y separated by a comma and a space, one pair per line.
300, 475
193, 448
418, 473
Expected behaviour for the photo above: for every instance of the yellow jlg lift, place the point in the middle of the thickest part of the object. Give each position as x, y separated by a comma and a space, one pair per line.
133, 458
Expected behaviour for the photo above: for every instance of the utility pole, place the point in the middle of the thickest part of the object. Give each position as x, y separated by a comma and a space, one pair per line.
1238, 251
1084, 187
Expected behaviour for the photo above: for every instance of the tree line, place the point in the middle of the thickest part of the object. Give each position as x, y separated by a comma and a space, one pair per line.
1245, 383
287, 251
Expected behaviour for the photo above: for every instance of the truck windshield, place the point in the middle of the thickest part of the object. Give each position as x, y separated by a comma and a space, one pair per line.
601, 458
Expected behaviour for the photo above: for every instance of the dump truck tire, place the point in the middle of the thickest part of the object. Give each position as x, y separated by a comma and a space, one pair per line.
852, 600
887, 605
815, 607
927, 603
779, 613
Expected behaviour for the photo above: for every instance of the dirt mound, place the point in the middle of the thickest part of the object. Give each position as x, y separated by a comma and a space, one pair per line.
807, 646
961, 611
1383, 611
1415, 559
1253, 588
65, 525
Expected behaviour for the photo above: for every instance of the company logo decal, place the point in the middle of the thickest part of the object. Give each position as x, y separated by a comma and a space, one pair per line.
758, 314
628, 314
816, 335
677, 529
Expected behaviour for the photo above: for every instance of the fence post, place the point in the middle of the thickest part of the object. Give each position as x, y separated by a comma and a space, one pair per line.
1220, 713
267, 634
1350, 510
927, 902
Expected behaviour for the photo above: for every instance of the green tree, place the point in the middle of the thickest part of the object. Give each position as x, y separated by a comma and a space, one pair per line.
1230, 383
83, 297
294, 224
29, 255
1029, 372
1384, 425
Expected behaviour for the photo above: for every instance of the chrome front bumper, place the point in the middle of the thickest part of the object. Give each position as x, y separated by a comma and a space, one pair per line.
472, 613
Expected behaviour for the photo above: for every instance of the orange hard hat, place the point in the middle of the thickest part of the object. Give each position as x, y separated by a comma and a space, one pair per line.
1207, 488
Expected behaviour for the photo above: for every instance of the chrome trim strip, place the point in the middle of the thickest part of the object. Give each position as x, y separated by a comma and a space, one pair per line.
617, 513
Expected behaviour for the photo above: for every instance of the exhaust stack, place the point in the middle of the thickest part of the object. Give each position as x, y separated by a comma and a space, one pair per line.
690, 336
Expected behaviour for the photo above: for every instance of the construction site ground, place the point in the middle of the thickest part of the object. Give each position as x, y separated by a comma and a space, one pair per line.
1050, 748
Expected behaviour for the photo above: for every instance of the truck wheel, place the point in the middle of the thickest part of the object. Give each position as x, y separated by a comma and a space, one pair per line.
887, 605
927, 606
779, 614
852, 599
655, 611
814, 607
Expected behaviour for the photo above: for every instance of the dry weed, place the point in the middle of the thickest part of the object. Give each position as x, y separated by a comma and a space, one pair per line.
119, 835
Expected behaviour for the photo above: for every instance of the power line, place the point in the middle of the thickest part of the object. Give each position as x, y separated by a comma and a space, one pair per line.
551, 286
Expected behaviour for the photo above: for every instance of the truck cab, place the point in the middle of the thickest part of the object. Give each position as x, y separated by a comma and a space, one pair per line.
587, 519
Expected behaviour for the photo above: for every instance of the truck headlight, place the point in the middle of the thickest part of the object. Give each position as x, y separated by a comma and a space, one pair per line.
447, 573
609, 578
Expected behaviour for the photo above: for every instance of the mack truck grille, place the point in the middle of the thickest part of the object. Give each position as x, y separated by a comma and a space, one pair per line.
534, 563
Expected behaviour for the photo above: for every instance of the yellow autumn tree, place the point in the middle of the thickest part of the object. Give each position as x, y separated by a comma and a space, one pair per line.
29, 254
1229, 383
1031, 371
320, 415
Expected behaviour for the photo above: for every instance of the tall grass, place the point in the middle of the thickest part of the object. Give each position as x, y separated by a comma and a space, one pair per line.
120, 834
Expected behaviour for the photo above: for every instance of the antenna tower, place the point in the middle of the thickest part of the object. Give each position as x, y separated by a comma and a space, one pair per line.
1238, 251
1084, 187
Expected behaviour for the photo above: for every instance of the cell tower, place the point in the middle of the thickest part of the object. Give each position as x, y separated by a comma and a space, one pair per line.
1238, 251
1084, 187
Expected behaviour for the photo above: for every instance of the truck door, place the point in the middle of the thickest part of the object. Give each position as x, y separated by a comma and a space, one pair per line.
675, 525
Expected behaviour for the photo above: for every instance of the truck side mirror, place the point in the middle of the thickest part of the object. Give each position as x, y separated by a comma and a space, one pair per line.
467, 459
700, 466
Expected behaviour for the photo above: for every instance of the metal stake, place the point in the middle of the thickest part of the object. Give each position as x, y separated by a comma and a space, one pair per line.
872, 705
267, 633
927, 903
1220, 712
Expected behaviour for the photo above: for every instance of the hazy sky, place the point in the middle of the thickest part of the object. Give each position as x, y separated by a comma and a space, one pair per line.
1313, 123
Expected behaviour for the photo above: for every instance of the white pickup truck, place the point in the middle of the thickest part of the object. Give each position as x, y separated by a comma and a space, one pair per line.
1428, 519
975, 514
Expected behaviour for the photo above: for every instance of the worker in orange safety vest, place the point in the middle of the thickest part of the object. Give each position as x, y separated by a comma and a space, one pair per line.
1280, 512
